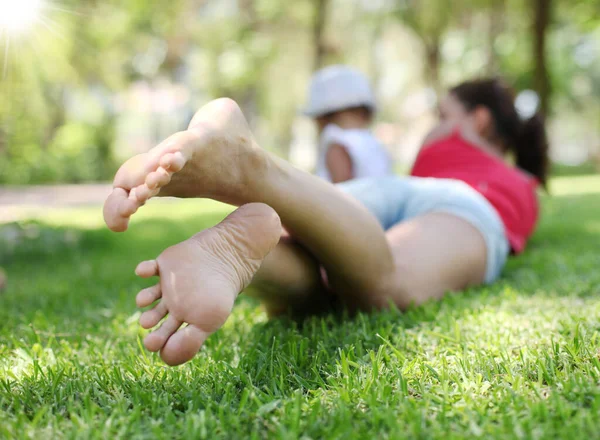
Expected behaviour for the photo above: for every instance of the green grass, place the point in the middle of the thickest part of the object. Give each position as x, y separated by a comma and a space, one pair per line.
519, 359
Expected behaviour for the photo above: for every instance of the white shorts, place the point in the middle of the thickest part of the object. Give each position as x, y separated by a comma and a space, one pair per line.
394, 199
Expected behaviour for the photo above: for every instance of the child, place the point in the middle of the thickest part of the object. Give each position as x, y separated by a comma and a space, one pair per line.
342, 105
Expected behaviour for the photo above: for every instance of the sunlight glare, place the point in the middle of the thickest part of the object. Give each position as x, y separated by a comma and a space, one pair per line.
18, 16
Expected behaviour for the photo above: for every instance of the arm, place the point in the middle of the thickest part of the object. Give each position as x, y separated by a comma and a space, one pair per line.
339, 163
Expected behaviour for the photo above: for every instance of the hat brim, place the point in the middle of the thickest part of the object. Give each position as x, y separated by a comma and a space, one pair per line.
315, 114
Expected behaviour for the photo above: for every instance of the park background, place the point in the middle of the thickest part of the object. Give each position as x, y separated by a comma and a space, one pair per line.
86, 83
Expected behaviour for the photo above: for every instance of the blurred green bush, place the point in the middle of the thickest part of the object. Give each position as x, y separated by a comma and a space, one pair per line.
78, 152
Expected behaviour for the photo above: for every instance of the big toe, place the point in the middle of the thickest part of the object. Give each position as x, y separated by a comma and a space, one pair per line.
112, 210
183, 345
134, 171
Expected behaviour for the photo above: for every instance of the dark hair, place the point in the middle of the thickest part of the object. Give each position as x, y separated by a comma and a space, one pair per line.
366, 111
525, 138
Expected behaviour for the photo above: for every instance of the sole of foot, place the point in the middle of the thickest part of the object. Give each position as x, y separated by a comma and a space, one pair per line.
200, 279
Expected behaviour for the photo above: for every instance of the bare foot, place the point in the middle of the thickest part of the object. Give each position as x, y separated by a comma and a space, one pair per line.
200, 279
215, 158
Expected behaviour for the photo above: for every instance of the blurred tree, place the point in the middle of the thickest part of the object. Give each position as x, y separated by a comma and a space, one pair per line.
429, 19
496, 14
69, 78
319, 23
542, 19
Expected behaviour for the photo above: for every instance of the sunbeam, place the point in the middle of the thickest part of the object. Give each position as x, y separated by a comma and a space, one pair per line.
6, 49
19, 16
24, 21
52, 27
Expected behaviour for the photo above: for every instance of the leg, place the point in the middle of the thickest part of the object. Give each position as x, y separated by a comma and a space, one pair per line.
217, 158
444, 235
290, 281
434, 254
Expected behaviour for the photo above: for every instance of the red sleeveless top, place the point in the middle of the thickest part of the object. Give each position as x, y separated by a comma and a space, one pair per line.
510, 191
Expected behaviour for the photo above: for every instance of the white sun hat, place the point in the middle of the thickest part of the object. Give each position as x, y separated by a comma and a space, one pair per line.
337, 88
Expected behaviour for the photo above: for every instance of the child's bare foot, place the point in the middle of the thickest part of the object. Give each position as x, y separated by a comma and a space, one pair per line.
200, 279
215, 158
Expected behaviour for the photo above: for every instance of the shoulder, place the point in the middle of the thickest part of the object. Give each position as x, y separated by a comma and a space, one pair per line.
438, 133
354, 141
527, 178
333, 134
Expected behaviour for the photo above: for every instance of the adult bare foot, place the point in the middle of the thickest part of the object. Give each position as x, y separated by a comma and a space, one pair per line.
215, 158
200, 279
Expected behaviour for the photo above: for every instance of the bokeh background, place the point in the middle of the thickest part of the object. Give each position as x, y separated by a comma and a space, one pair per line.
86, 83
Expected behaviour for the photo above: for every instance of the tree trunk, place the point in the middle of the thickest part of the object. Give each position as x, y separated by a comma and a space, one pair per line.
55, 96
248, 98
3, 135
377, 30
432, 56
319, 23
541, 79
496, 25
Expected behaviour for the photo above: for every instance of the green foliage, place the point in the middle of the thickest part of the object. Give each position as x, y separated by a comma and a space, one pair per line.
518, 359
77, 153
585, 169
260, 53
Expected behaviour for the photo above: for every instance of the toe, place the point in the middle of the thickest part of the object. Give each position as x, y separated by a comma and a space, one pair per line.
152, 317
157, 339
112, 210
179, 148
133, 172
142, 193
173, 161
158, 178
128, 207
183, 345
148, 296
147, 269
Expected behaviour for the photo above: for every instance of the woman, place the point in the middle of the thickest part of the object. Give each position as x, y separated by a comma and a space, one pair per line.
383, 241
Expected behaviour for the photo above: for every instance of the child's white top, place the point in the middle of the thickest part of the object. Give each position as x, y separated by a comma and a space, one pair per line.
369, 157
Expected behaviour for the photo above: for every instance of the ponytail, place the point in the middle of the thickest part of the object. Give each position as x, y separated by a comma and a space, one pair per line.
525, 139
531, 148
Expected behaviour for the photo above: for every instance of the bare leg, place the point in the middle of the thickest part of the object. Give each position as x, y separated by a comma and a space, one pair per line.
217, 158
341, 233
290, 282
435, 254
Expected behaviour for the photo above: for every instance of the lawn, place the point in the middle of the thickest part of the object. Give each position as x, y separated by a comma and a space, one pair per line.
519, 359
